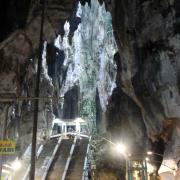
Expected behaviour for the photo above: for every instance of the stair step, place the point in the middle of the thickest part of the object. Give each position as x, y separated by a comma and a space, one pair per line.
75, 169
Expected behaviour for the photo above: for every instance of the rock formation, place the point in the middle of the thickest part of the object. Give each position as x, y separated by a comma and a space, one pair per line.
134, 82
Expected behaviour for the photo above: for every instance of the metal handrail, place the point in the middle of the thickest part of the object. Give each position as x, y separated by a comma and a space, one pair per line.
21, 98
72, 133
51, 159
28, 169
69, 159
85, 160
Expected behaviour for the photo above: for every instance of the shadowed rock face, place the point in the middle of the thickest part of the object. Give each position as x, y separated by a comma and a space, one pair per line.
147, 36
18, 71
71, 103
13, 15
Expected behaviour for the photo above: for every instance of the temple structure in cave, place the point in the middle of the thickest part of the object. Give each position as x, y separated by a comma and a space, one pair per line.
90, 89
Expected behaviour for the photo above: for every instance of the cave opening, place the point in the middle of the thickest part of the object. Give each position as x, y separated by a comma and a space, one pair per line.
108, 90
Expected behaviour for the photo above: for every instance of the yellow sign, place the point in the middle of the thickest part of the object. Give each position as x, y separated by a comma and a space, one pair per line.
7, 147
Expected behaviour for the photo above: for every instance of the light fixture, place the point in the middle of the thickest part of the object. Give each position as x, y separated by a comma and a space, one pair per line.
147, 159
121, 148
16, 165
5, 171
150, 167
153, 153
79, 120
149, 152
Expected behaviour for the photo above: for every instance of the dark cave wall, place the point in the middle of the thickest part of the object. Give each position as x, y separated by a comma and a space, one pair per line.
58, 72
125, 122
71, 103
147, 36
177, 13
13, 15
99, 112
18, 71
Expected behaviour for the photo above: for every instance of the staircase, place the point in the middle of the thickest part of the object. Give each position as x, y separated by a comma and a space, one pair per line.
44, 158
75, 169
59, 162
60, 159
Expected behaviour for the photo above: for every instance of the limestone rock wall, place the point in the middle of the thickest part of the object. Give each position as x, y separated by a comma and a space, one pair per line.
18, 56
89, 60
147, 36
144, 106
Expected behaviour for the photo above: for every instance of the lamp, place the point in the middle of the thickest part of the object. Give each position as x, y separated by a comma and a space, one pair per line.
121, 148
16, 165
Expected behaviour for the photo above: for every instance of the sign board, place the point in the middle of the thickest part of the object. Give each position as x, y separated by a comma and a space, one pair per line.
7, 147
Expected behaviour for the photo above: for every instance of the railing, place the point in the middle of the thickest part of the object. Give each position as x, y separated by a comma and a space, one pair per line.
69, 133
40, 149
69, 159
47, 168
52, 158
85, 161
